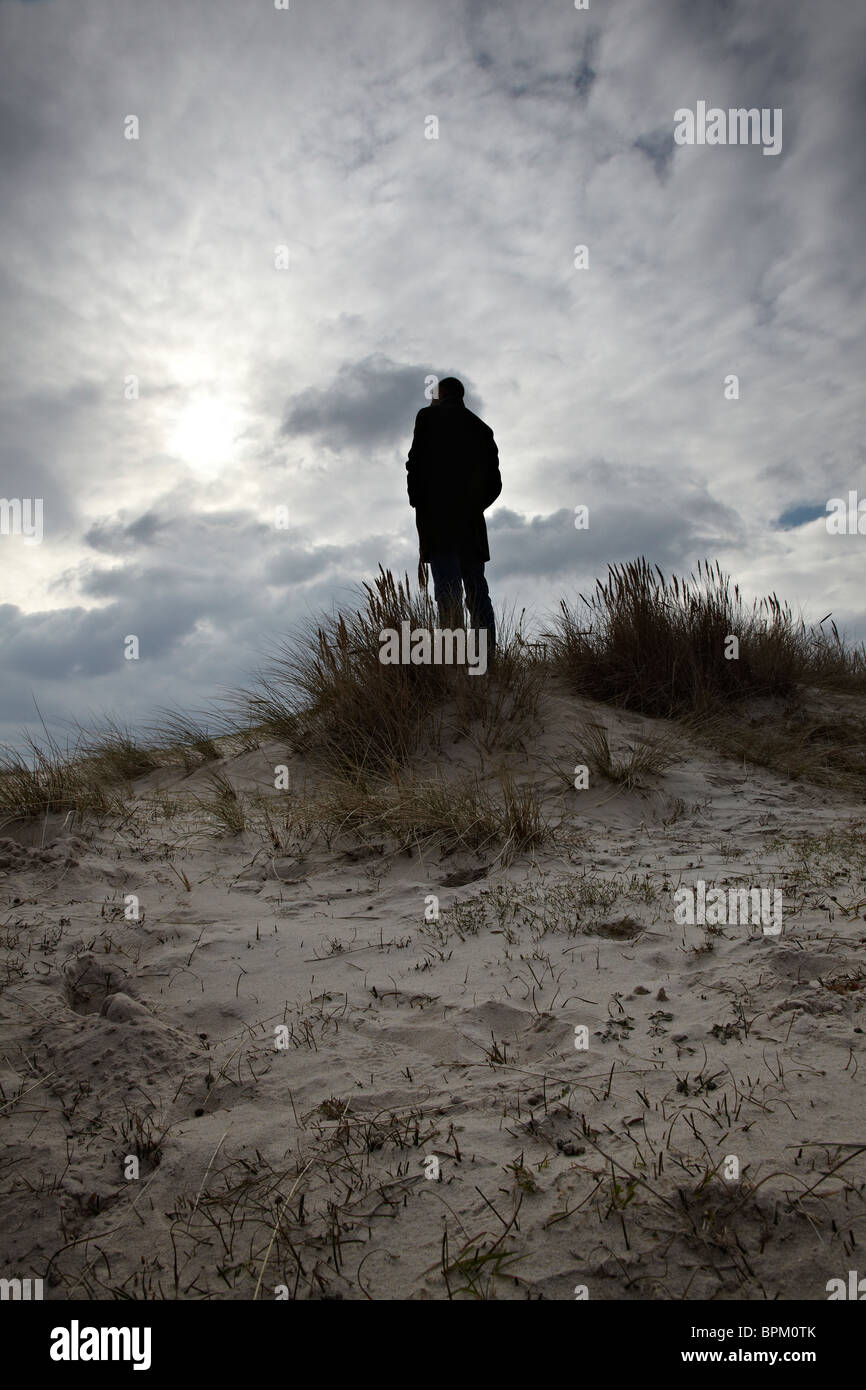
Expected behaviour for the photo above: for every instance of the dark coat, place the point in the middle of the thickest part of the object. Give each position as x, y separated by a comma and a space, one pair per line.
453, 476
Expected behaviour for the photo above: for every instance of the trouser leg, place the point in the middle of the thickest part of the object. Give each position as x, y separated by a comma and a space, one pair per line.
478, 601
448, 589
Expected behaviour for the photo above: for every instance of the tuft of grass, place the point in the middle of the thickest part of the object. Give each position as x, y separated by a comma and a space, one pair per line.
82, 777
225, 803
182, 734
479, 1262
116, 753
48, 779
659, 646
646, 757
460, 814
328, 694
822, 741
142, 1137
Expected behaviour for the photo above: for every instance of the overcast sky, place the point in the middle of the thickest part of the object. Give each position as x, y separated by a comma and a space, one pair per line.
259, 385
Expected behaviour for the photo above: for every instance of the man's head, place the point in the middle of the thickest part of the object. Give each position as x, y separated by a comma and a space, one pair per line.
449, 389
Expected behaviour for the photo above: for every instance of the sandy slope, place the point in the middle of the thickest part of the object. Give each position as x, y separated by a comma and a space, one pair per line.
302, 1169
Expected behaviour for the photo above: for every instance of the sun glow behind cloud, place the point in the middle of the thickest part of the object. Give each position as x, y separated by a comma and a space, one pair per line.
206, 434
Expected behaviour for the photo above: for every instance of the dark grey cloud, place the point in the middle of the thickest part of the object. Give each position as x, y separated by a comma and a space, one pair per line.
367, 402
208, 599
21, 138
114, 536
518, 65
637, 522
585, 73
658, 146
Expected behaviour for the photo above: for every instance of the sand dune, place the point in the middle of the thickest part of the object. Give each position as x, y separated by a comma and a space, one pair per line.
287, 1036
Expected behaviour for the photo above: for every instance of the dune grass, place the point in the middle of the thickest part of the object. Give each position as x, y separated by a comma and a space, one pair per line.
329, 695
91, 773
813, 738
48, 782
663, 647
644, 759
82, 777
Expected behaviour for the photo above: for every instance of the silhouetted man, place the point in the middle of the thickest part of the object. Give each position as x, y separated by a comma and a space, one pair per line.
453, 476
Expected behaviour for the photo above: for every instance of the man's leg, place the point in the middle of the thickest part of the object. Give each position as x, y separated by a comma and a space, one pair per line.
448, 589
478, 601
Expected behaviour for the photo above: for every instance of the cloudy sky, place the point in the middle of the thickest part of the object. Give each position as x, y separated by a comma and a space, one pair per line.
283, 256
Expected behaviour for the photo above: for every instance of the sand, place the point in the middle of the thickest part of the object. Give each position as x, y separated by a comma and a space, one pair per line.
284, 1080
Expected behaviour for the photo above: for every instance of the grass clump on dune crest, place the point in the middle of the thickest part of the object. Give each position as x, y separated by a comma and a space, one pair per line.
49, 779
663, 647
87, 775
329, 695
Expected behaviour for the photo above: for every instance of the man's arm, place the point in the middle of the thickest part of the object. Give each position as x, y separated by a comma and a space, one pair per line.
492, 475
415, 462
